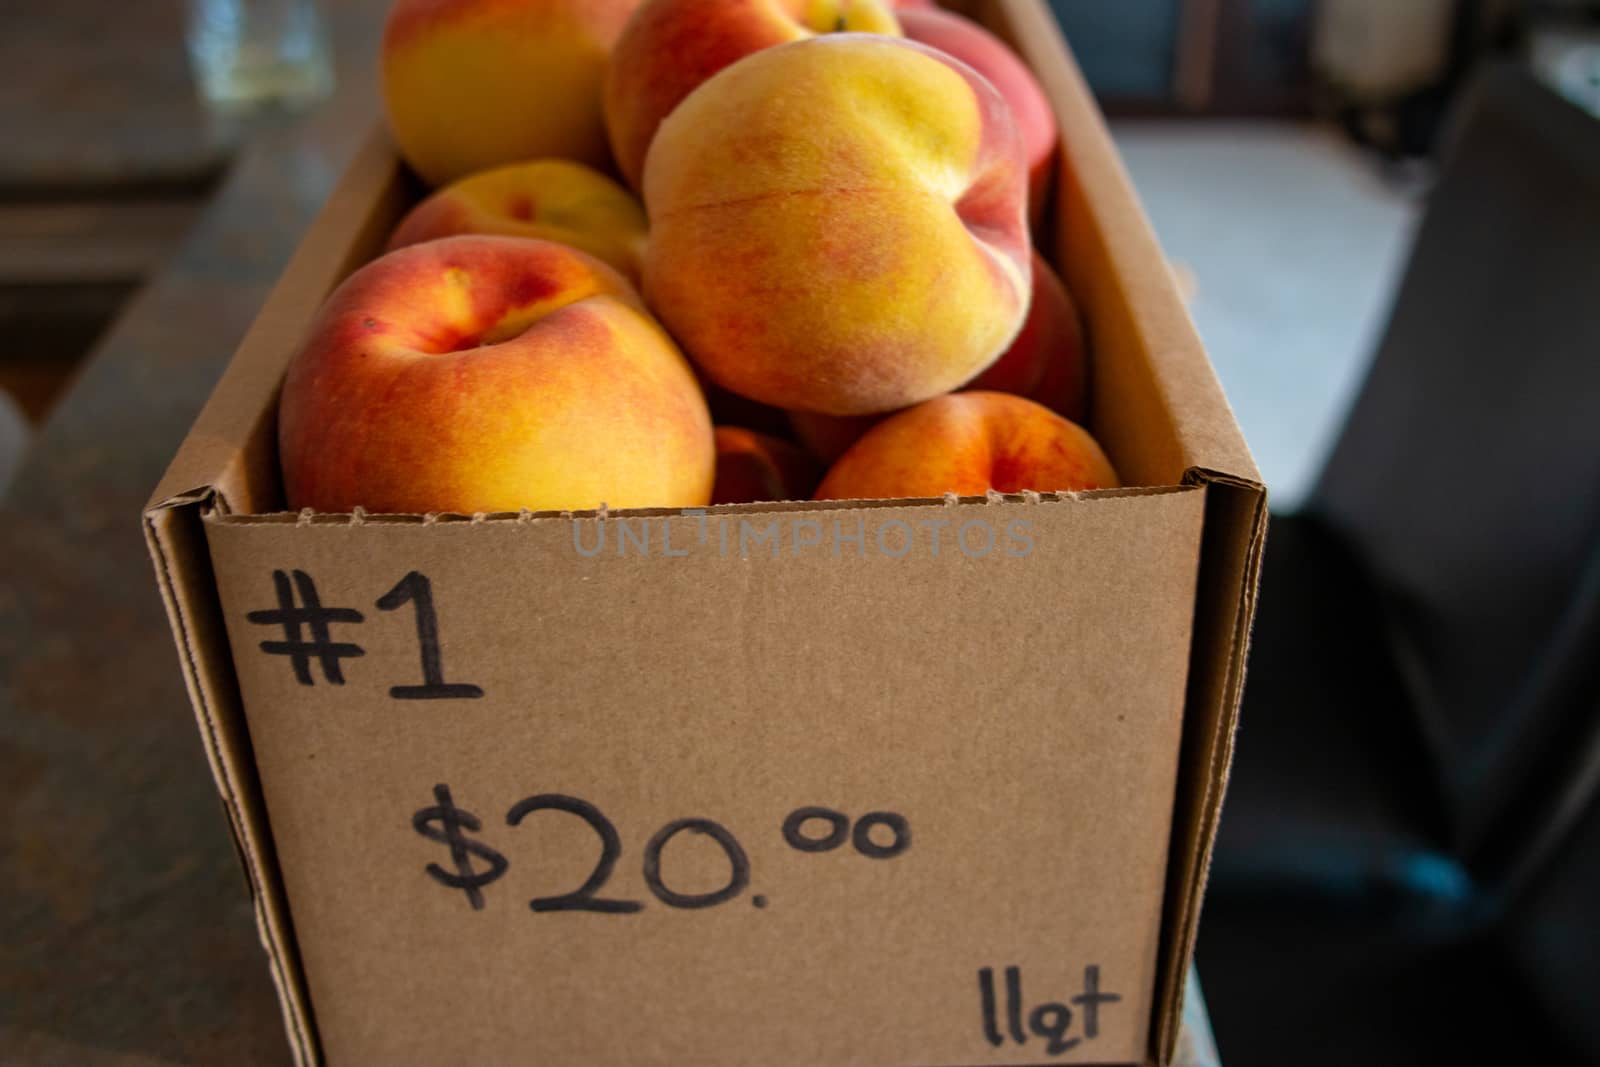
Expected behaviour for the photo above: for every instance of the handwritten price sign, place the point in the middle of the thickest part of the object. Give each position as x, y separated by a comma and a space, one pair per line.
361, 646
450, 825
475, 865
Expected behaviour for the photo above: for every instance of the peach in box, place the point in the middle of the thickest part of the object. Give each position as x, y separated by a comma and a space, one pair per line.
1047, 363
989, 56
671, 46
968, 444
840, 259
490, 374
471, 84
554, 199
753, 467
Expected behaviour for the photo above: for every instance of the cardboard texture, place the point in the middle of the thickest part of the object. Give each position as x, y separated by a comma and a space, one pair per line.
915, 782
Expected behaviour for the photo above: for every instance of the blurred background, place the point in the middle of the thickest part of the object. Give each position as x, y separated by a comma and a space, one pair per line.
1386, 217
1284, 150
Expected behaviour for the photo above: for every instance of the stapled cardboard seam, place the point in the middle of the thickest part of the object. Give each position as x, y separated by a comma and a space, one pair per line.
290, 1006
310, 518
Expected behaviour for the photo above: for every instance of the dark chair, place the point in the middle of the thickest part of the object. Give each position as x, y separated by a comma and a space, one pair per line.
1408, 868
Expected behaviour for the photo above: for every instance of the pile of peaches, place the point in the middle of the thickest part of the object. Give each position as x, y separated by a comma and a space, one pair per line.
682, 252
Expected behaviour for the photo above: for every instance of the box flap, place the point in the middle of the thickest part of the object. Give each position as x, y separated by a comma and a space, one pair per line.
225, 464
177, 545
1230, 566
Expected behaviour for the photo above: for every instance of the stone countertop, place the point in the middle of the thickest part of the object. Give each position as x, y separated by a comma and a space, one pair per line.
126, 935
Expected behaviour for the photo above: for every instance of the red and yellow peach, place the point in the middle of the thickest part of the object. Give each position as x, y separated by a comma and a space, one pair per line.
671, 46
840, 259
478, 373
1047, 363
552, 199
991, 57
969, 444
473, 84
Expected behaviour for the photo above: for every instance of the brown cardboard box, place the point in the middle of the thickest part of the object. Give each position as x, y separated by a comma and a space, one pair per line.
1018, 711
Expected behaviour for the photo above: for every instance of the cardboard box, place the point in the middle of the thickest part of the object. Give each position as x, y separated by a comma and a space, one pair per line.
546, 788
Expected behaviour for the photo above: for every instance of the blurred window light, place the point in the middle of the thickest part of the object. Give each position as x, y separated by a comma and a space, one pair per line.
1381, 48
250, 55
1567, 58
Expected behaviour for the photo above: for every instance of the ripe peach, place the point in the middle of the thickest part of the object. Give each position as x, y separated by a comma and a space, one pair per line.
968, 444
554, 199
840, 259
490, 374
990, 56
1046, 363
671, 46
472, 84
752, 467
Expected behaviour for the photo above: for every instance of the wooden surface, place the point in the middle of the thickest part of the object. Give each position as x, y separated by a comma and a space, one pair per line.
125, 929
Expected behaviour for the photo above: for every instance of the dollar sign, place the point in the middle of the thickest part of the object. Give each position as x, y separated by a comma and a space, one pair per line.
452, 820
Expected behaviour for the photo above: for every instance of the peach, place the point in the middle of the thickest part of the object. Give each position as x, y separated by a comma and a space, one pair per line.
753, 467
1046, 363
989, 56
838, 225
472, 84
554, 199
482, 373
671, 46
968, 444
